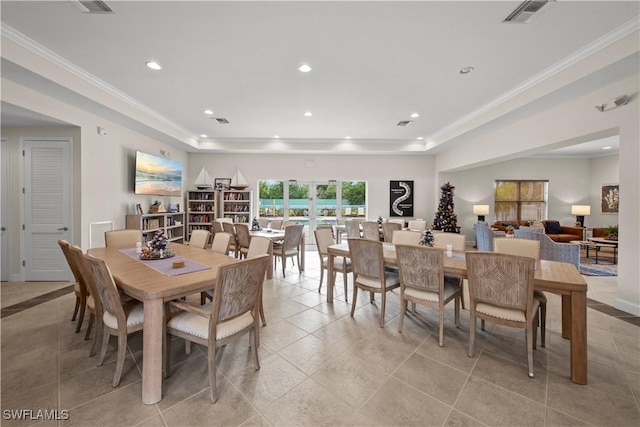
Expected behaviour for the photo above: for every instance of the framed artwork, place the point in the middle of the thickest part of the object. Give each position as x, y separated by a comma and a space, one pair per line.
609, 199
222, 183
400, 198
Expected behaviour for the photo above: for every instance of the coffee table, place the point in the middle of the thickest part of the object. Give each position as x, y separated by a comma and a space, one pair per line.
596, 246
606, 243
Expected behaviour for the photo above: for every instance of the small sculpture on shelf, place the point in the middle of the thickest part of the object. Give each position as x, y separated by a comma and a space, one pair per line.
255, 225
380, 221
426, 239
157, 247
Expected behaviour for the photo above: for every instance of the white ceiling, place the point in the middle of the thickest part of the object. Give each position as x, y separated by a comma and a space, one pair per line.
374, 63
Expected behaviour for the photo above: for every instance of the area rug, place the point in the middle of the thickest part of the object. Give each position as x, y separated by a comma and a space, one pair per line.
588, 267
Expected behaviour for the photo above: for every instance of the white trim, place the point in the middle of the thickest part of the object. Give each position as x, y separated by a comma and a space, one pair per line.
627, 306
5, 216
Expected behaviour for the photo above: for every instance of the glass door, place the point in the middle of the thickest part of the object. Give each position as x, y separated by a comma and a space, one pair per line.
312, 203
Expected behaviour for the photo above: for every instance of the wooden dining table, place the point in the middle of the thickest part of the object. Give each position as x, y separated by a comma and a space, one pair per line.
550, 276
154, 288
277, 236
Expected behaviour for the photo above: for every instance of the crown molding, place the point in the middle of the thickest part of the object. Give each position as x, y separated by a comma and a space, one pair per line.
608, 39
36, 48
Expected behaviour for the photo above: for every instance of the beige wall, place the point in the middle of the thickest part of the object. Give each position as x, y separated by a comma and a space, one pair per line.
376, 170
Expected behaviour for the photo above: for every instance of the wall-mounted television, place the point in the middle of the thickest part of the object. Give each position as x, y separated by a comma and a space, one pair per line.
157, 176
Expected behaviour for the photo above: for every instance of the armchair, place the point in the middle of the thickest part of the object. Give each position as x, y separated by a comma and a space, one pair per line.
550, 250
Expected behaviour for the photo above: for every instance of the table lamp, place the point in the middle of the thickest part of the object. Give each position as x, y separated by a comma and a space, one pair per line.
481, 211
580, 211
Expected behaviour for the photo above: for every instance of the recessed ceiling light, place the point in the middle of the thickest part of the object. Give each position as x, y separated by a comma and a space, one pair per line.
420, 138
347, 137
606, 148
153, 65
276, 136
209, 112
203, 136
308, 114
305, 68
466, 70
414, 115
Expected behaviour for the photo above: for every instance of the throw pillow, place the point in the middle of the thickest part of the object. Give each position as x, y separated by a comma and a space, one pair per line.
553, 227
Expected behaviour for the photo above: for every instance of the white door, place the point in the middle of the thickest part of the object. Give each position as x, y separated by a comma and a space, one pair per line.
4, 209
47, 207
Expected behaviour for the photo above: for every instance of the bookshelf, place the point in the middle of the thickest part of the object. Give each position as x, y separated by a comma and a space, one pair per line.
201, 210
172, 223
237, 205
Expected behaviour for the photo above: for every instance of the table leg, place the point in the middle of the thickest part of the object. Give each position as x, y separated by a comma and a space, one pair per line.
330, 278
270, 265
579, 337
152, 352
302, 252
566, 316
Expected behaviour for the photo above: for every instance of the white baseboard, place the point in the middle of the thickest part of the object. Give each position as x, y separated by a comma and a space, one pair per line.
627, 306
14, 277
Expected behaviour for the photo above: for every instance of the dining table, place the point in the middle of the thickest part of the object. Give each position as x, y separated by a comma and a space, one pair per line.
277, 236
139, 279
550, 276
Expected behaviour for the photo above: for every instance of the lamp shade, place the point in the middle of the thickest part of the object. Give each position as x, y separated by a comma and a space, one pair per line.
580, 210
480, 209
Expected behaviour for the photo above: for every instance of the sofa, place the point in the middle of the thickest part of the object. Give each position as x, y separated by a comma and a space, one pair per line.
553, 229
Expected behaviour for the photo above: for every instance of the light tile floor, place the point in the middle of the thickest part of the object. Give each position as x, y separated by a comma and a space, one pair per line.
319, 367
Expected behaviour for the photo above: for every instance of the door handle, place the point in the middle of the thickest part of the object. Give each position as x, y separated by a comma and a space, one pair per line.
3, 228
63, 229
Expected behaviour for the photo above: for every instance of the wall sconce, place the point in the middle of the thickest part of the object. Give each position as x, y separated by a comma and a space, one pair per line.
481, 211
618, 102
580, 211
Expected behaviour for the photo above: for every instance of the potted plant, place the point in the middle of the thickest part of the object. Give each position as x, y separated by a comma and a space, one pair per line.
611, 232
510, 230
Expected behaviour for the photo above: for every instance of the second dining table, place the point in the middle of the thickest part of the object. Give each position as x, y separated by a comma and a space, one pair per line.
277, 236
550, 276
139, 280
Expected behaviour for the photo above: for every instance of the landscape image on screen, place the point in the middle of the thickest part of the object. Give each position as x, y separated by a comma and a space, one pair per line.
157, 176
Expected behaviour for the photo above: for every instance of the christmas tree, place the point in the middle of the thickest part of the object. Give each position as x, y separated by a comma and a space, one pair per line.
446, 219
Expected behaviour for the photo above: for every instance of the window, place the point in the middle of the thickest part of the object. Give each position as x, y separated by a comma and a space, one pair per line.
521, 200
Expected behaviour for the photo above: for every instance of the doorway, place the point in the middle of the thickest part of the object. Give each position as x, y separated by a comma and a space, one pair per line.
313, 203
46, 214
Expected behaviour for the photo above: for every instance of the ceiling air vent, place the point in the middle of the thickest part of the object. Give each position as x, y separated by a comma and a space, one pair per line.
404, 123
527, 11
221, 120
95, 6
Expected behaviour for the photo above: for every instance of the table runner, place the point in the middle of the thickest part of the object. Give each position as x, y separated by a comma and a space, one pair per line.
165, 266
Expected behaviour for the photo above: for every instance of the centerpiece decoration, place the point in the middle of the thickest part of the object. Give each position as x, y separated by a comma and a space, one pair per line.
157, 247
426, 239
255, 225
510, 231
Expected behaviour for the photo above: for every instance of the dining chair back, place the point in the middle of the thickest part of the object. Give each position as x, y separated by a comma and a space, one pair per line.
530, 249
371, 230
118, 319
216, 227
263, 222
276, 224
406, 237
221, 242
125, 238
388, 228
400, 221
501, 291
288, 223
259, 246
324, 239
228, 227
223, 220
456, 240
369, 274
290, 247
94, 303
233, 313
199, 238
353, 229
421, 271
243, 238
81, 292
417, 224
